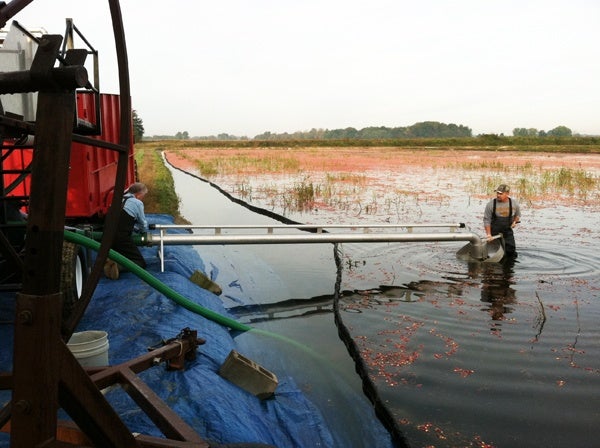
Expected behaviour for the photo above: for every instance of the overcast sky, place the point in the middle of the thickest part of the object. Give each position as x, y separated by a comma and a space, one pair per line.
244, 67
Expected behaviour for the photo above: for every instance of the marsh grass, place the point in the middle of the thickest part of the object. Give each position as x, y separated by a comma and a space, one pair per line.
572, 182
530, 182
208, 168
246, 164
244, 189
304, 194
491, 165
351, 178
340, 189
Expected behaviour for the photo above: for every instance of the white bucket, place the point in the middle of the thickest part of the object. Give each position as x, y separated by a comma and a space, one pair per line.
90, 348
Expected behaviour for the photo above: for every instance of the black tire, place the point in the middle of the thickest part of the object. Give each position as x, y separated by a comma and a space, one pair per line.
73, 274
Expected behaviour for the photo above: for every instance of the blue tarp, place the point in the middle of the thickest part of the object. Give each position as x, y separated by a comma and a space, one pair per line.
136, 317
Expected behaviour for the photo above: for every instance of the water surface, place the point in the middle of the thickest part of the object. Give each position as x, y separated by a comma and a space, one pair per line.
462, 354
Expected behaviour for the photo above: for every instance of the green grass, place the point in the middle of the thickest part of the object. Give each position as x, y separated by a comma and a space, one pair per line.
151, 170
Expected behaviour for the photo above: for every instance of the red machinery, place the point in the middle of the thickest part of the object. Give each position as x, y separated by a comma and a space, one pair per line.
92, 170
73, 172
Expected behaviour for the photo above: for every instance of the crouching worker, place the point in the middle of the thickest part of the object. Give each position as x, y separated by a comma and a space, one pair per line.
131, 219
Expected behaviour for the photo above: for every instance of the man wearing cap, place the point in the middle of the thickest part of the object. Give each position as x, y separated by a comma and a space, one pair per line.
501, 215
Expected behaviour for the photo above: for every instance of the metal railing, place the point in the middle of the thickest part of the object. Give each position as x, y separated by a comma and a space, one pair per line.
311, 234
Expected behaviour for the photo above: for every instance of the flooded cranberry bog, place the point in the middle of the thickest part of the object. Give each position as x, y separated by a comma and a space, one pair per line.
460, 354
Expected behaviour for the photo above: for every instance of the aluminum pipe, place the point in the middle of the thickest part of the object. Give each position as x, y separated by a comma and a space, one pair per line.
308, 238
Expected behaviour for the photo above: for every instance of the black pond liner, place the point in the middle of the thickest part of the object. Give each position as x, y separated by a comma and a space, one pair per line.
369, 389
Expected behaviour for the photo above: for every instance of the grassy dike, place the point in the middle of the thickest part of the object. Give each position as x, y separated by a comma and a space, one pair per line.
151, 170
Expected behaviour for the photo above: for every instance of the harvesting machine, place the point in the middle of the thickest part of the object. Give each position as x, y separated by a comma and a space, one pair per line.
91, 170
66, 158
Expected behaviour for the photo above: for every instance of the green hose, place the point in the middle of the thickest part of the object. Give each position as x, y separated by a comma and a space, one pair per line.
82, 240
79, 238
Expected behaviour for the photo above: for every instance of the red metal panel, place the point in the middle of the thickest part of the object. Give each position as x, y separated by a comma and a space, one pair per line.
15, 160
93, 170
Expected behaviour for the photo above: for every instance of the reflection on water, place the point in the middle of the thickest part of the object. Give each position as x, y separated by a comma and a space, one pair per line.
496, 289
285, 309
451, 368
462, 354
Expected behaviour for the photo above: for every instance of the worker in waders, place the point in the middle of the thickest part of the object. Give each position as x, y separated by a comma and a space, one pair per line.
501, 215
131, 219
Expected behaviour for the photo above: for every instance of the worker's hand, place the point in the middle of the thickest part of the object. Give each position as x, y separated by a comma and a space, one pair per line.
490, 238
514, 224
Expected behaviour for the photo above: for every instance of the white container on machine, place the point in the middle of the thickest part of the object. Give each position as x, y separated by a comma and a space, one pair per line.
90, 348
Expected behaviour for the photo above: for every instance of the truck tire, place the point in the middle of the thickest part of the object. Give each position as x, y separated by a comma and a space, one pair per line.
73, 274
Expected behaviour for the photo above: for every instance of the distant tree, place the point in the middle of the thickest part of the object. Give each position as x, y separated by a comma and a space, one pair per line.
226, 136
264, 136
560, 131
525, 132
425, 129
315, 134
399, 132
341, 134
437, 129
350, 133
374, 132
138, 126
182, 135
459, 131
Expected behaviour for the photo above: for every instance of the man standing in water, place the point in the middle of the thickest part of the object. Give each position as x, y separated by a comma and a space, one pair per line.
501, 215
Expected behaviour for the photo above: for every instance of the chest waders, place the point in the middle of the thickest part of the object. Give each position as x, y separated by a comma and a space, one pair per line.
502, 224
123, 242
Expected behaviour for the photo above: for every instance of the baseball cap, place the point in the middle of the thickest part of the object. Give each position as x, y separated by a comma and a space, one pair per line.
502, 188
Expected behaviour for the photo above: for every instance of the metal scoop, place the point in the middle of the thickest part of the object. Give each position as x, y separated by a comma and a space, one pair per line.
486, 251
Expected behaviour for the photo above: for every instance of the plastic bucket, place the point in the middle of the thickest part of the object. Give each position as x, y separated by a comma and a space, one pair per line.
90, 348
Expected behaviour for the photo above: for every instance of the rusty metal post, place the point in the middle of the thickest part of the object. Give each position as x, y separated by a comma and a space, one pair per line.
37, 323
38, 310
8, 10
39, 352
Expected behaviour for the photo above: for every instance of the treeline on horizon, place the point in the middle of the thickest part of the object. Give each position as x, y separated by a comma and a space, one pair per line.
426, 129
486, 142
422, 130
